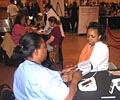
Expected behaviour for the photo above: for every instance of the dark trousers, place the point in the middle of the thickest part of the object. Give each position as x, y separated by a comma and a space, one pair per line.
60, 51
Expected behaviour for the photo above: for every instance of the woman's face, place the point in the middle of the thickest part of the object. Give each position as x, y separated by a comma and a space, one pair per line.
51, 24
93, 36
23, 21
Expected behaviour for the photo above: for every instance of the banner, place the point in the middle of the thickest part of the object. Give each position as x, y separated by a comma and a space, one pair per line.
87, 14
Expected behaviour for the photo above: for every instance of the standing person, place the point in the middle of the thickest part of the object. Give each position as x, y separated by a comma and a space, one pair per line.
50, 12
30, 10
102, 9
23, 9
36, 11
69, 9
96, 50
74, 16
12, 11
32, 81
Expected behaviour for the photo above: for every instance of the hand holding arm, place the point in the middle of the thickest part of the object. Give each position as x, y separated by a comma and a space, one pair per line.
73, 85
40, 32
66, 74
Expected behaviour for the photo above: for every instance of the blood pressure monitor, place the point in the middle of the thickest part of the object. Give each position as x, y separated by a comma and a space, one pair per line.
114, 83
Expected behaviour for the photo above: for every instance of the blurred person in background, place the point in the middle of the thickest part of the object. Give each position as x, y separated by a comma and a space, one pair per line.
74, 16
36, 11
12, 11
30, 10
55, 34
18, 29
51, 12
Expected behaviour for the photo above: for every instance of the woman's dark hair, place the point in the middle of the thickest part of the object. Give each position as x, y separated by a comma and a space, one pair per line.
28, 43
52, 19
6, 92
18, 18
75, 3
99, 28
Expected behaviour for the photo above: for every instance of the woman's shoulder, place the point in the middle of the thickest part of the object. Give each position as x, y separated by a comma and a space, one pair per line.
17, 25
57, 27
101, 45
37, 68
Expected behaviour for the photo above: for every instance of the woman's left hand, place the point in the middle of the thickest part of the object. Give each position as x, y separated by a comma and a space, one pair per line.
67, 74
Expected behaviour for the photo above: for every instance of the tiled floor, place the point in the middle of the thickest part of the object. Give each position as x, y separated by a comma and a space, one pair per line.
72, 46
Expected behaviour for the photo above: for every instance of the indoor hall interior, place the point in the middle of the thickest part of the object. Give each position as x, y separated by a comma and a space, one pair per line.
72, 46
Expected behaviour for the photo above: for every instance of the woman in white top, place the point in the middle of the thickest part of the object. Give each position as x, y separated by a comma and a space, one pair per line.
96, 50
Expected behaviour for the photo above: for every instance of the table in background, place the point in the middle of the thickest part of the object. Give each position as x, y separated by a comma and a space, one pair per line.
103, 81
113, 21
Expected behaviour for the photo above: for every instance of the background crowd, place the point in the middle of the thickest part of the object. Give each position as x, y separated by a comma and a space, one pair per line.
109, 9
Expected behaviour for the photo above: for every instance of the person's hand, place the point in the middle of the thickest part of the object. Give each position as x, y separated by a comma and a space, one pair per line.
28, 29
40, 32
35, 31
71, 68
77, 75
66, 74
43, 32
